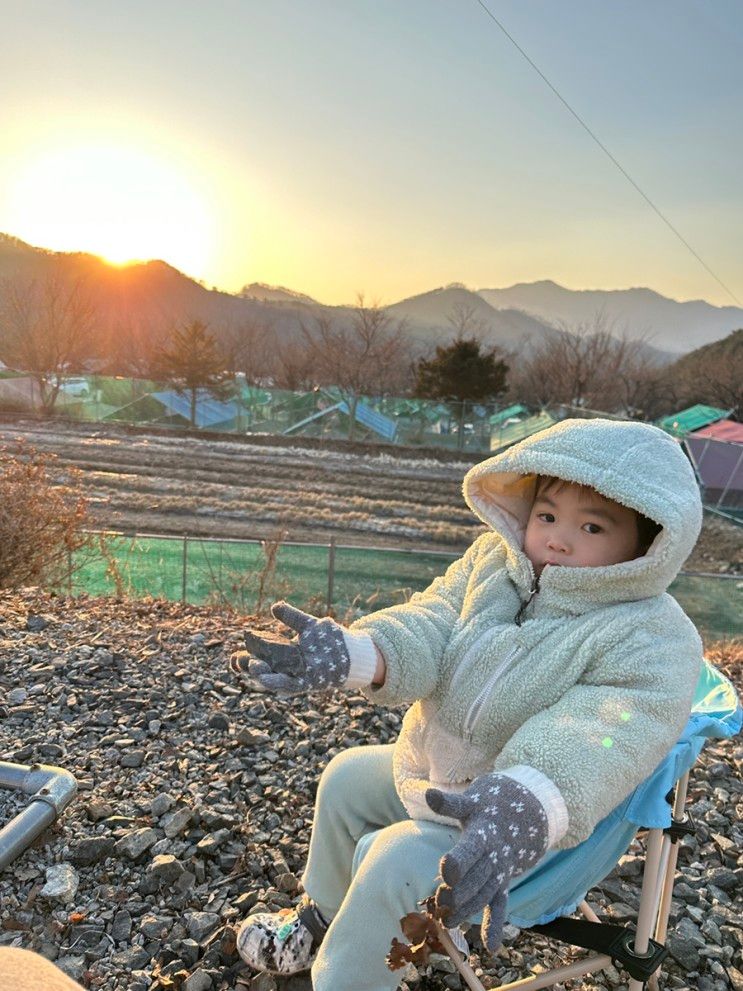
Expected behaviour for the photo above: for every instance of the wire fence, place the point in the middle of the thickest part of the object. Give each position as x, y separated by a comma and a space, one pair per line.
343, 580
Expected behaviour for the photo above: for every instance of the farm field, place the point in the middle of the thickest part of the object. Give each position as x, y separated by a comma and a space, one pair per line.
174, 484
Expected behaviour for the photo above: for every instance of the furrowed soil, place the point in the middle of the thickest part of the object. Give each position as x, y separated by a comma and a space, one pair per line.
167, 482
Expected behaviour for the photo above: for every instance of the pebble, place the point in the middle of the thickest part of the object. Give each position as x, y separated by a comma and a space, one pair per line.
134, 843
161, 804
176, 823
200, 924
62, 882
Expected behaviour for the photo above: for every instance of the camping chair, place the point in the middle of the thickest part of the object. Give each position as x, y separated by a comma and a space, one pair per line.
542, 898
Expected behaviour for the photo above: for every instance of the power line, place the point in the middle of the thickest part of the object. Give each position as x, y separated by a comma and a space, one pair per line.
609, 155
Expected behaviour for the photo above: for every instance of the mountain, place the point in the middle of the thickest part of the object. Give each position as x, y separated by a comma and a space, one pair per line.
670, 325
142, 299
274, 294
430, 315
146, 296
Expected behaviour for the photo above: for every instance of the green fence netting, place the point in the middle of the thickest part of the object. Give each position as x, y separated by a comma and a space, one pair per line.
352, 581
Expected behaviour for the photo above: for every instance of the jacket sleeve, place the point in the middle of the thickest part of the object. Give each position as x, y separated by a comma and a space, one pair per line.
610, 731
413, 636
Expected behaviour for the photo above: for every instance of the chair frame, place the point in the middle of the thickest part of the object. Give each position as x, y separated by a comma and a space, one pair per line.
640, 950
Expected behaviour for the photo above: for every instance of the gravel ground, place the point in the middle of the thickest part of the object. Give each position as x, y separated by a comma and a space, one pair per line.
196, 798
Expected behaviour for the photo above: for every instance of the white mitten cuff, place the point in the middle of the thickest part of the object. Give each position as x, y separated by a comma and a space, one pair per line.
549, 795
363, 656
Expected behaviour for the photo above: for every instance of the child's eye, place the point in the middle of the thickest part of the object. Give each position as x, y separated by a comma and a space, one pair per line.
592, 528
546, 517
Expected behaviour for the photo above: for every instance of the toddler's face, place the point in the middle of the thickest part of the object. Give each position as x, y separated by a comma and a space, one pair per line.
575, 527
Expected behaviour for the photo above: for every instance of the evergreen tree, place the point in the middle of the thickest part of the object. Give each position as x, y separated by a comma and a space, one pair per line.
192, 360
461, 372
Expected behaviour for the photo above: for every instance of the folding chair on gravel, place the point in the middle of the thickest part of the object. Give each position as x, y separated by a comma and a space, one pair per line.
542, 899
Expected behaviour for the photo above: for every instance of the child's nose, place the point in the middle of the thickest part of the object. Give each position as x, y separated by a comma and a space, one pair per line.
557, 542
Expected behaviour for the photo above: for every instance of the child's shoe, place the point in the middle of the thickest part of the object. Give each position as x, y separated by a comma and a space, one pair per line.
283, 942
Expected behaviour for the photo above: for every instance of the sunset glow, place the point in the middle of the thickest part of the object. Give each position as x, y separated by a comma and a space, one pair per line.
114, 201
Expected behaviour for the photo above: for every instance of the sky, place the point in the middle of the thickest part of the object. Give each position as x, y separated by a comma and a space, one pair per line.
379, 146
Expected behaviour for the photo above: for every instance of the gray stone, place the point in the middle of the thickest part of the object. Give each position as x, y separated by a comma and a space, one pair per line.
252, 737
74, 967
200, 924
198, 981
92, 850
97, 809
263, 982
134, 758
16, 696
161, 804
724, 878
167, 868
176, 823
189, 951
154, 927
135, 842
287, 882
211, 843
62, 882
36, 623
218, 721
132, 958
121, 927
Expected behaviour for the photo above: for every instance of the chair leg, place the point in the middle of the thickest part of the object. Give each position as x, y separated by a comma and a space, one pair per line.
649, 898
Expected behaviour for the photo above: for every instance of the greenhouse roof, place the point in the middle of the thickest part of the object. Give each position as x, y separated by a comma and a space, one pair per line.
209, 411
500, 439
725, 430
505, 414
688, 420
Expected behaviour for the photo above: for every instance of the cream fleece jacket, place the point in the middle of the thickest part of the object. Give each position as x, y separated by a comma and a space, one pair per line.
583, 698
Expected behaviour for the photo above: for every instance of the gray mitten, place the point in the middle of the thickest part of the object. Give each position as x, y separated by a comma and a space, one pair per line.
504, 833
317, 659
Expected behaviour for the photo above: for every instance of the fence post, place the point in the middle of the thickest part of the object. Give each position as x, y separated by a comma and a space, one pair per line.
331, 574
185, 566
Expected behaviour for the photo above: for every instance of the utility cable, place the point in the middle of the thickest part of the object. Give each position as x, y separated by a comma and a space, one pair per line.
606, 151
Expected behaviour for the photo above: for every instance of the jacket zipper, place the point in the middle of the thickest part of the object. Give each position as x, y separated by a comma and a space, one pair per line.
475, 710
477, 706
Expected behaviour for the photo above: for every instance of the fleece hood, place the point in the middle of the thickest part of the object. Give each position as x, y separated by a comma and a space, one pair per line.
634, 464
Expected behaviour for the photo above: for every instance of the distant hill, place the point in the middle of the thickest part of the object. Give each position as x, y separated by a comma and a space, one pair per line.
670, 325
428, 317
148, 295
274, 294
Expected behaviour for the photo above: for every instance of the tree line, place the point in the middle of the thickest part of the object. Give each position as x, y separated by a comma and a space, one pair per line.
49, 329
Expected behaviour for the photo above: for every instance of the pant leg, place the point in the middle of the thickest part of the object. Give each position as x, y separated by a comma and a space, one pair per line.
396, 868
356, 796
22, 970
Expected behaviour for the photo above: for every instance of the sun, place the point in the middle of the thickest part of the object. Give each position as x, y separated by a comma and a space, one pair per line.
119, 202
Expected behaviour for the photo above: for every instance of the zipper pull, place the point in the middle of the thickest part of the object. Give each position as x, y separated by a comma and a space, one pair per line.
524, 605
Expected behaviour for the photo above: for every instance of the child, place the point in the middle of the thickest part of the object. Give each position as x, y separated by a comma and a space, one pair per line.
549, 673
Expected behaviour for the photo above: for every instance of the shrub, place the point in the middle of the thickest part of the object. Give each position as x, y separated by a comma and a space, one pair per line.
41, 518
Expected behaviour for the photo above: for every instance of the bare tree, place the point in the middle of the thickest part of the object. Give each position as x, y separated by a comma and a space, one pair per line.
368, 355
465, 322
592, 364
713, 374
293, 366
46, 329
135, 342
248, 349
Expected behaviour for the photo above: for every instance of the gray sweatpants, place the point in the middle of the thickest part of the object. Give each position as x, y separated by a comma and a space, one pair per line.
369, 865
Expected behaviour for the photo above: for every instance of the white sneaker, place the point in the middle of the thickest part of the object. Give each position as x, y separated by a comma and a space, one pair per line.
283, 942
